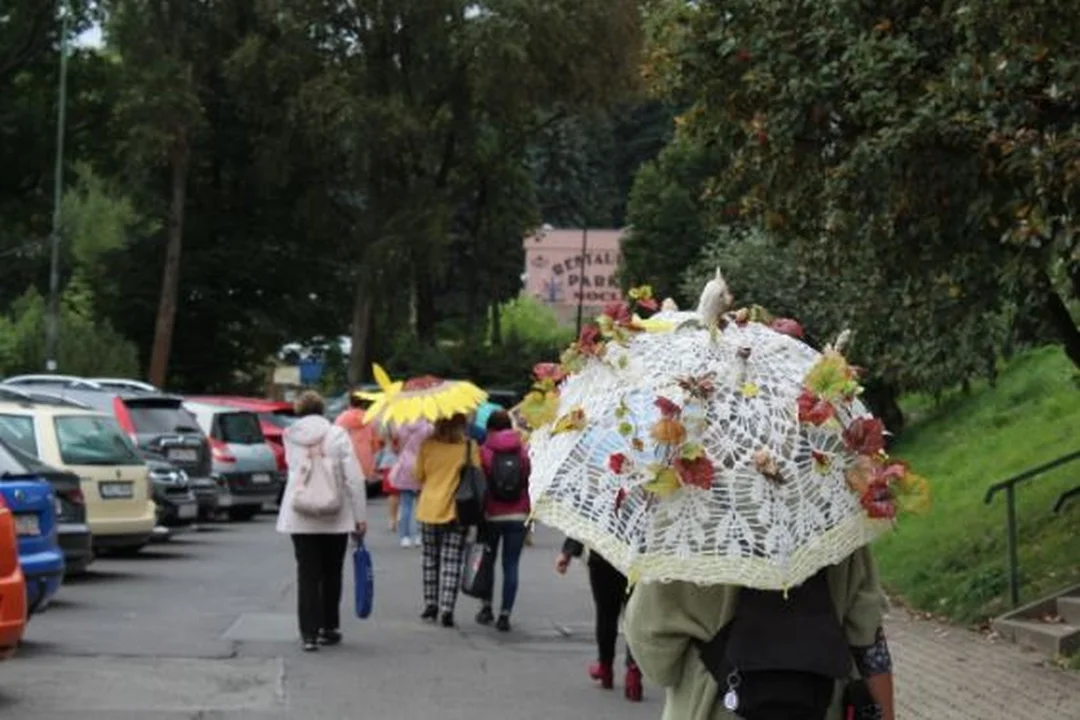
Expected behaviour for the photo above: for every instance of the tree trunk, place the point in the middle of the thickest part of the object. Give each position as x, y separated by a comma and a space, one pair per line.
1059, 317
496, 324
180, 158
362, 326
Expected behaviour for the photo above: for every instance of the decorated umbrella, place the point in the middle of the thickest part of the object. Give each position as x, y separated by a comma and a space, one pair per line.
713, 447
421, 398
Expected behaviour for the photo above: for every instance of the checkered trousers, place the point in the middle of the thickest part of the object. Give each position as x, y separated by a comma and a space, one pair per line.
443, 554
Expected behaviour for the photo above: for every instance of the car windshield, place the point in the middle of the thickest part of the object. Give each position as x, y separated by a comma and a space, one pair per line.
161, 418
91, 440
18, 431
277, 419
240, 428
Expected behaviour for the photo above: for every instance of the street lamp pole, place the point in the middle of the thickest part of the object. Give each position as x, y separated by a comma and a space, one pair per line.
52, 321
581, 274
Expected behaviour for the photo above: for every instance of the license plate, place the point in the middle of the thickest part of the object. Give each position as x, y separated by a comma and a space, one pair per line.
117, 491
187, 512
260, 479
182, 455
27, 525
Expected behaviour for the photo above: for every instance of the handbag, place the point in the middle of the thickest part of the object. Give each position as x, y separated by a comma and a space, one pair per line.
318, 492
472, 486
364, 574
478, 576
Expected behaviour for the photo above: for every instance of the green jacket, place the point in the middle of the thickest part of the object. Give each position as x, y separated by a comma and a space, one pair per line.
663, 618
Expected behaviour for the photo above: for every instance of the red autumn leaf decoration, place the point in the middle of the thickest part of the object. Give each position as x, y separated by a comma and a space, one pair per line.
620, 498
813, 409
865, 436
698, 472
549, 371
877, 500
618, 312
589, 340
788, 326
615, 462
668, 409
648, 304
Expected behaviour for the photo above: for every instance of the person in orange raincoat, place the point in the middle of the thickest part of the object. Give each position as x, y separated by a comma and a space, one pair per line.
364, 435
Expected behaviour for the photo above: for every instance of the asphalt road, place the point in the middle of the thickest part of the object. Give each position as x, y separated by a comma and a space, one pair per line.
204, 627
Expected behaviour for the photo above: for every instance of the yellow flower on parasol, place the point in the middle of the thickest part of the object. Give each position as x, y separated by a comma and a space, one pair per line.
421, 398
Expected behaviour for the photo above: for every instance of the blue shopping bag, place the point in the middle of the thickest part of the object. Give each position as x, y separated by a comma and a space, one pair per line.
364, 575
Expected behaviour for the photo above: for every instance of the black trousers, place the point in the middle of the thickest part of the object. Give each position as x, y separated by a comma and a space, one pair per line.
609, 596
320, 560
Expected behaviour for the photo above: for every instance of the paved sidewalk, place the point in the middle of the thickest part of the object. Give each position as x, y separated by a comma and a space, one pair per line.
949, 673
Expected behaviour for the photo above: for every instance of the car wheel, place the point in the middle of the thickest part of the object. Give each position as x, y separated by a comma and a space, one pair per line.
243, 514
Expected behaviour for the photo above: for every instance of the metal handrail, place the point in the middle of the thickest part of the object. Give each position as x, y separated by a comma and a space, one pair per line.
1009, 487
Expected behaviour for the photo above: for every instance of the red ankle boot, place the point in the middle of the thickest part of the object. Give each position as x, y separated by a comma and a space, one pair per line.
634, 688
602, 674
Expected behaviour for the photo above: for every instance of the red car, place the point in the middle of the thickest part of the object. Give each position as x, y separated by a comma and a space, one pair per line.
274, 417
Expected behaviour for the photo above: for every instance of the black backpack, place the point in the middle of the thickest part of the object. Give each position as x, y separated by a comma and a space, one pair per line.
507, 480
780, 657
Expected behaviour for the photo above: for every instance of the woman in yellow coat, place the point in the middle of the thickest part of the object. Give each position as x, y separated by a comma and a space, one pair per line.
438, 470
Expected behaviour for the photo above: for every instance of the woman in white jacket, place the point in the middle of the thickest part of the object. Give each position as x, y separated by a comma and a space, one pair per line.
320, 541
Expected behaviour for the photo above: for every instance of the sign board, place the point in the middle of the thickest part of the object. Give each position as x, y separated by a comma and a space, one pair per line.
567, 265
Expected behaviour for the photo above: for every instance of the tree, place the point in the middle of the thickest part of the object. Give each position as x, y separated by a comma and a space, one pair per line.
161, 44
669, 218
896, 141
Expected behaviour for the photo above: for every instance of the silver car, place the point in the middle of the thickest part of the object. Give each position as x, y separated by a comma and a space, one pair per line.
242, 463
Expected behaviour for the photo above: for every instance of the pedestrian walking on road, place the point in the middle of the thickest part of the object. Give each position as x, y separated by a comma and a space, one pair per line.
403, 478
608, 587
324, 501
438, 470
506, 465
363, 434
385, 459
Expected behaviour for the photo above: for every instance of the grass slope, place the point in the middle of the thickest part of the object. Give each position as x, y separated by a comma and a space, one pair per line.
953, 561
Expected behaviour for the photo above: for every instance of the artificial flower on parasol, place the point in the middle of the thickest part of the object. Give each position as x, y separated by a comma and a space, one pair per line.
421, 398
714, 447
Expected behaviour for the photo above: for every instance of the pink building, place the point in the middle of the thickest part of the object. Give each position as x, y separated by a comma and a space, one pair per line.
557, 273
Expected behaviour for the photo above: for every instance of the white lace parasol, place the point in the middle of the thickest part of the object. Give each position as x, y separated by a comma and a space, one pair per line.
760, 498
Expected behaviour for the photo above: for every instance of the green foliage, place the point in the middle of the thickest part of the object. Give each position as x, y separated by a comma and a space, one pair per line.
668, 218
526, 320
87, 346
912, 336
953, 561
97, 220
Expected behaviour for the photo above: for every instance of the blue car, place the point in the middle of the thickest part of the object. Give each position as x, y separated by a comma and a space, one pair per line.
34, 504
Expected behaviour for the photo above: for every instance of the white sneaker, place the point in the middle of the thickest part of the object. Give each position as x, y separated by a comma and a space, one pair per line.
416, 542
406, 542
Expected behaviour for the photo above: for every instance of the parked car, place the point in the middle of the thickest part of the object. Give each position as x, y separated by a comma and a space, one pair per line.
177, 507
12, 586
72, 532
244, 464
115, 480
33, 502
274, 417
155, 422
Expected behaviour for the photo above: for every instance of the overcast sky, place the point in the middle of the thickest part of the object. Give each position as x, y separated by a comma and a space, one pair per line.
90, 38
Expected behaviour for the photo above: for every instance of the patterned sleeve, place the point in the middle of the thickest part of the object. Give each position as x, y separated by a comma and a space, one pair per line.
873, 659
